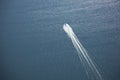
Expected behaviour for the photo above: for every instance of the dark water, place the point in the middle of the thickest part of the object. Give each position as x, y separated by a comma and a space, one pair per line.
35, 47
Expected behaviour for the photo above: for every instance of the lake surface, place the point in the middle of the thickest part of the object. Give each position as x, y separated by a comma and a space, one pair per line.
34, 45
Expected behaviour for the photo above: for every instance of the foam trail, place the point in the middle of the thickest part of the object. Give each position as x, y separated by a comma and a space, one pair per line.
91, 70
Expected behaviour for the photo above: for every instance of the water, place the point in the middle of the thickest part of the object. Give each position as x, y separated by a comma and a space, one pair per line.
35, 47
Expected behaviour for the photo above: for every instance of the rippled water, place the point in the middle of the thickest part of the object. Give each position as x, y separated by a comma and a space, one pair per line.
35, 47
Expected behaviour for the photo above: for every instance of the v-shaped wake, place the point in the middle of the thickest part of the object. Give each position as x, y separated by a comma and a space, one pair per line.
90, 68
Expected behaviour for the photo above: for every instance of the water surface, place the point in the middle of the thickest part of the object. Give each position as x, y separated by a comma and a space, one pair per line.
35, 47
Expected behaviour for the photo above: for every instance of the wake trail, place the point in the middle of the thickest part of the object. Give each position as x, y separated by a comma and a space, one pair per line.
90, 68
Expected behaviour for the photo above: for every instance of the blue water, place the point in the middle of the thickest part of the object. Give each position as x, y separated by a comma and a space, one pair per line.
33, 45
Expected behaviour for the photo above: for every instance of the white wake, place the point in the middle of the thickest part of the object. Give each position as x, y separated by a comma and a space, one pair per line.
91, 70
